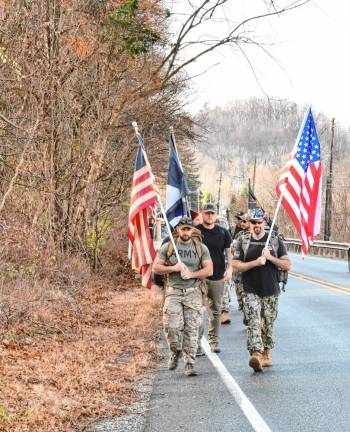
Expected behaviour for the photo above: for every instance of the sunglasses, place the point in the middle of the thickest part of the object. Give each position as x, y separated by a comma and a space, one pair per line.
254, 222
244, 221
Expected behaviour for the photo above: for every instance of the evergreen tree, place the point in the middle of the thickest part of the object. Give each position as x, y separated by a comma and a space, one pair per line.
191, 170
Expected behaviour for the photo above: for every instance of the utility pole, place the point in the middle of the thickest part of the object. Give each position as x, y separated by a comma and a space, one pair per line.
219, 193
249, 196
329, 187
254, 172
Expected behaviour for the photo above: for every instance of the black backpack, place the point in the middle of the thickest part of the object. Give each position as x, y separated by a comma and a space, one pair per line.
274, 242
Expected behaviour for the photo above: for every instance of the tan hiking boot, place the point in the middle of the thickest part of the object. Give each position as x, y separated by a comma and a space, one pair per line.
189, 370
225, 318
173, 360
214, 347
200, 352
255, 361
266, 360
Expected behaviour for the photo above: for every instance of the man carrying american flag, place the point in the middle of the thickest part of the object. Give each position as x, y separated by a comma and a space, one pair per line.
259, 267
258, 257
143, 199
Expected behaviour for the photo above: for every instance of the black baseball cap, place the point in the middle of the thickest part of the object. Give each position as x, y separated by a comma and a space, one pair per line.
209, 208
240, 215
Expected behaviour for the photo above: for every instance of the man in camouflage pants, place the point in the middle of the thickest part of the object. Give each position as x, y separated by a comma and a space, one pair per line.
225, 303
183, 297
237, 277
259, 265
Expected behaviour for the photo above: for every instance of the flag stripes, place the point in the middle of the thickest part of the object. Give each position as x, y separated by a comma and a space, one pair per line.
143, 199
300, 184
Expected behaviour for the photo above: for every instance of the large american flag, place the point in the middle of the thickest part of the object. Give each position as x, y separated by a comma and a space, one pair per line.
300, 184
143, 199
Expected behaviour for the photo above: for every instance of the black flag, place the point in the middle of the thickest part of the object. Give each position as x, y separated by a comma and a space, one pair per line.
253, 203
252, 199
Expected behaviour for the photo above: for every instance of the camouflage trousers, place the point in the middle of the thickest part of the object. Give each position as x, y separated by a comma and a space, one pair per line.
215, 293
182, 318
226, 298
261, 313
239, 293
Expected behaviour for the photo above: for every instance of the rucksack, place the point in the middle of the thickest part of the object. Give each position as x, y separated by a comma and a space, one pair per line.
196, 237
274, 242
197, 241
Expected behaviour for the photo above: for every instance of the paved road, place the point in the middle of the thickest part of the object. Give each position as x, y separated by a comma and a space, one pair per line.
307, 389
325, 269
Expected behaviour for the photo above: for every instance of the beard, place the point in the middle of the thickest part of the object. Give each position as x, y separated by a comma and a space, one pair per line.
184, 237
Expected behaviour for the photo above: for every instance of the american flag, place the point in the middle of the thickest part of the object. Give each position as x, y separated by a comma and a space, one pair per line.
300, 185
143, 199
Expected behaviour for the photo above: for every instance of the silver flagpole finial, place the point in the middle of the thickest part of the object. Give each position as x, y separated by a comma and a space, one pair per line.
134, 124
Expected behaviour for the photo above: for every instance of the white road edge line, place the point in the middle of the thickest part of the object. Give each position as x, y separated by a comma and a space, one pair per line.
243, 402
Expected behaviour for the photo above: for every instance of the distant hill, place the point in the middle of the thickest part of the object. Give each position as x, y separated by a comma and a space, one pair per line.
231, 138
260, 128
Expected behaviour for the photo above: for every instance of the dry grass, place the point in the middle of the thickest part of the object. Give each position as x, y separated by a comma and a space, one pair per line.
72, 344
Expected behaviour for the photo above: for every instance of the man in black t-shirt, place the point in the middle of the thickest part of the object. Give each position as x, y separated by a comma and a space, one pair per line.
259, 265
218, 240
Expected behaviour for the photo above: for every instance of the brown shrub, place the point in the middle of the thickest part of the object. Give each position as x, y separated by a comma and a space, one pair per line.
72, 342
68, 360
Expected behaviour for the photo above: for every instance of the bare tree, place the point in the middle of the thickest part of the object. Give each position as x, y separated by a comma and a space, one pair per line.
237, 35
75, 74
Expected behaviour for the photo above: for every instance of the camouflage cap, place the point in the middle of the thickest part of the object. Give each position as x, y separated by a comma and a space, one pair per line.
185, 221
256, 214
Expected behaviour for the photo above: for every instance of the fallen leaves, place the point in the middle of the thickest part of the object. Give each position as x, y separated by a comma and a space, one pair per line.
64, 380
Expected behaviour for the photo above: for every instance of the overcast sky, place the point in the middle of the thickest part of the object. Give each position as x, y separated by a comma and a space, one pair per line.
311, 47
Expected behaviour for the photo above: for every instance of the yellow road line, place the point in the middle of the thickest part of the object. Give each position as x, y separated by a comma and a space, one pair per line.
325, 284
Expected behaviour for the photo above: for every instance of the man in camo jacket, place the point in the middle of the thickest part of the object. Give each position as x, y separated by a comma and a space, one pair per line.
237, 277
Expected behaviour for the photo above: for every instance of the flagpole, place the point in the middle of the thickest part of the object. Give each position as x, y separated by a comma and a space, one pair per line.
174, 141
134, 124
281, 195
171, 128
129, 250
169, 229
274, 220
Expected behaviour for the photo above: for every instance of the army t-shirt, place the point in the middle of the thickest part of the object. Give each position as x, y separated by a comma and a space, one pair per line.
188, 256
262, 280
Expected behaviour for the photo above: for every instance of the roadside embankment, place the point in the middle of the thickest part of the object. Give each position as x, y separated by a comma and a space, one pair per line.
71, 352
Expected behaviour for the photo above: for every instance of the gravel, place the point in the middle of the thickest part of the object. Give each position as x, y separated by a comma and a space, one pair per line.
135, 420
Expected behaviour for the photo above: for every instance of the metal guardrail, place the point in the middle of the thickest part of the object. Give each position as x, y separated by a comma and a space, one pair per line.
323, 248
